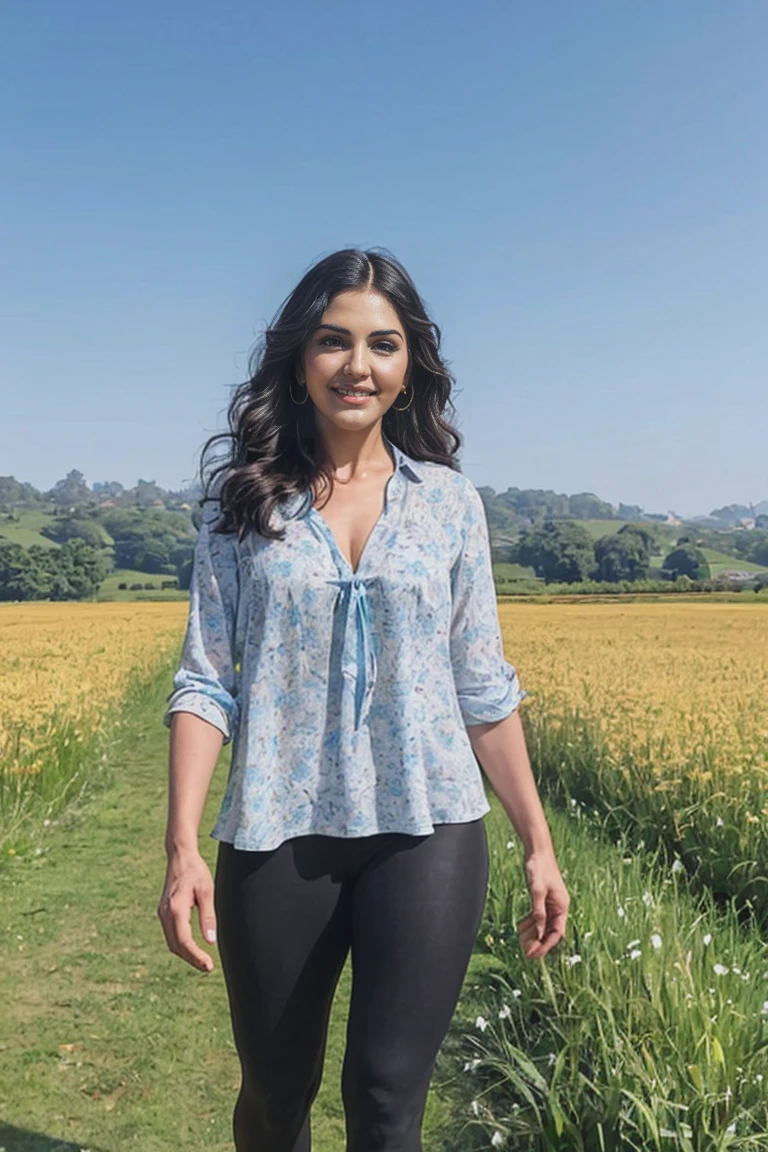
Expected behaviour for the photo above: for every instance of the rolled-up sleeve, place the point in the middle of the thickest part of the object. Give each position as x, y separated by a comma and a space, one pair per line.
487, 684
206, 682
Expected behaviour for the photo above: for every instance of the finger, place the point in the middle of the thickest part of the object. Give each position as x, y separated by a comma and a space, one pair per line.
166, 915
554, 933
528, 927
557, 923
188, 949
532, 946
178, 933
548, 943
206, 913
527, 930
529, 938
166, 925
527, 924
532, 949
539, 909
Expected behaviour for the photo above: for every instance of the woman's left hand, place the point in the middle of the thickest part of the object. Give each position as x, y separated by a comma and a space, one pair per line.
544, 926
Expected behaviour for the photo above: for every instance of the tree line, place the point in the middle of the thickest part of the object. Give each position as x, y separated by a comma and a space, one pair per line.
155, 542
562, 551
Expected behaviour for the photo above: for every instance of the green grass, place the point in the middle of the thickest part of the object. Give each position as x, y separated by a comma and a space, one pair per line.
647, 1031
722, 562
26, 530
52, 766
107, 1041
110, 1043
699, 809
108, 589
512, 572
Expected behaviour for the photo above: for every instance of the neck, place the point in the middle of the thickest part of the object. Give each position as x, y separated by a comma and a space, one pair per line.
352, 454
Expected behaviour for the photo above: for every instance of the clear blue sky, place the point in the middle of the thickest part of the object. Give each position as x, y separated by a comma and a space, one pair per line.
578, 189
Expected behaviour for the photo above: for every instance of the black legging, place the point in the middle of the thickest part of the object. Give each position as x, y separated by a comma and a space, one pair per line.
409, 907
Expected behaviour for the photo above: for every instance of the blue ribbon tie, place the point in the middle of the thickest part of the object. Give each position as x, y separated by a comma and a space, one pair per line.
353, 588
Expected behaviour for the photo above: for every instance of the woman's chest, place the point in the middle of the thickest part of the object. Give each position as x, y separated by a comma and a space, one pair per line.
395, 550
351, 517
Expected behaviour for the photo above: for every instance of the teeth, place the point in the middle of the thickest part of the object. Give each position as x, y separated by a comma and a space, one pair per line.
353, 391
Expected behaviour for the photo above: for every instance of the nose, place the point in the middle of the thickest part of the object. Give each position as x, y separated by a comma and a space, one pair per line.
357, 362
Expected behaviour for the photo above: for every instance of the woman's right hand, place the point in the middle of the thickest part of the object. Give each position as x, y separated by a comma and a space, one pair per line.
188, 882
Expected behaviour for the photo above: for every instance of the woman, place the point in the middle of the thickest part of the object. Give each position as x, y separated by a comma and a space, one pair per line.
343, 635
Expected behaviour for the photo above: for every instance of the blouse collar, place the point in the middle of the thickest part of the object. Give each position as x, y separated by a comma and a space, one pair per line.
403, 461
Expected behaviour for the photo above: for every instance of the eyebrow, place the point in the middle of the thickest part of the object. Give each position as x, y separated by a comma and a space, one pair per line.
376, 332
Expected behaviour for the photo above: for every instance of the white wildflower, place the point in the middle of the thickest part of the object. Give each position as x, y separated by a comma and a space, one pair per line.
720, 969
707, 938
719, 822
475, 1108
470, 1065
516, 993
575, 959
505, 1012
656, 941
635, 953
678, 866
621, 912
647, 899
481, 1023
764, 1009
498, 1139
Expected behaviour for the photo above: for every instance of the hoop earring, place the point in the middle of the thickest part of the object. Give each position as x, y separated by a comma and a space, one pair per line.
298, 402
407, 405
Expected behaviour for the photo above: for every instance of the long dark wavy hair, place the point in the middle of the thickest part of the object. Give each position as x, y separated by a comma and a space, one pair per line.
272, 439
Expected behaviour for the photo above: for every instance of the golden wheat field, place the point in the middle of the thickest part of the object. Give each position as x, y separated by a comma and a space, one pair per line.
666, 676
77, 657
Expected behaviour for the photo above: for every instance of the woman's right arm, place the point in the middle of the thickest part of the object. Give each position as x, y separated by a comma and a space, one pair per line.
202, 714
194, 750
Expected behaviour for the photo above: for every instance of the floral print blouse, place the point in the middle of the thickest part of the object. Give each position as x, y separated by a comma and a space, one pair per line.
346, 694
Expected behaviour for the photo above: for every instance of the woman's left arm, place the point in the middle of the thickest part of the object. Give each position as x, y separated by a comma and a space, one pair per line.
489, 695
500, 748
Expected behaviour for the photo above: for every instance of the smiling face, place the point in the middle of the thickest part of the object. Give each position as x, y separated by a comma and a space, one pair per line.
356, 361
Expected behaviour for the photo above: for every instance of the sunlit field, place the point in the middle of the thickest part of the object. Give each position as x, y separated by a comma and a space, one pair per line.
647, 728
646, 724
78, 657
654, 717
672, 677
66, 668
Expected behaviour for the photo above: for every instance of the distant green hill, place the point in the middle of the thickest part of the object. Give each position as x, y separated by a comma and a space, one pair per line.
666, 536
25, 529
